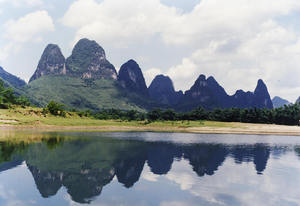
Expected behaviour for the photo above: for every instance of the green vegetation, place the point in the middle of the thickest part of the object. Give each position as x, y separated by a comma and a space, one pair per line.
81, 94
55, 109
14, 144
287, 115
86, 165
117, 114
11, 80
9, 150
30, 116
8, 97
82, 55
56, 114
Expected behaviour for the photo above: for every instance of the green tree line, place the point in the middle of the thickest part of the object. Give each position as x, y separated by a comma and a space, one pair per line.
8, 97
287, 115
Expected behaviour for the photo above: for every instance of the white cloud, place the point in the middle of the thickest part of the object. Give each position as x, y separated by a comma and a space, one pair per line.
3, 55
112, 20
237, 41
256, 190
183, 73
150, 74
9, 197
28, 27
148, 175
210, 19
271, 54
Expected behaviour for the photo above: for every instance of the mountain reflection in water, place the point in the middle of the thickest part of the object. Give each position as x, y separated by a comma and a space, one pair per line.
85, 166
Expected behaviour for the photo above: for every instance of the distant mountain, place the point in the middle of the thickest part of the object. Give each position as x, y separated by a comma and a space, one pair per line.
206, 93
209, 94
131, 78
279, 102
78, 93
262, 97
11, 80
87, 80
88, 61
242, 99
162, 90
259, 99
298, 100
4, 166
51, 62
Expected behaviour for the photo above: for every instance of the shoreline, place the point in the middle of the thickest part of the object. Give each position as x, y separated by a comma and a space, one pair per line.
32, 119
244, 129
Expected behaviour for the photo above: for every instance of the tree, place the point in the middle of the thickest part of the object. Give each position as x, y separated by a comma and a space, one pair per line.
8, 97
55, 108
22, 101
131, 115
154, 115
198, 114
168, 115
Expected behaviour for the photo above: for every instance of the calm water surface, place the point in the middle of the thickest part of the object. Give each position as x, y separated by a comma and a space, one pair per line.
158, 169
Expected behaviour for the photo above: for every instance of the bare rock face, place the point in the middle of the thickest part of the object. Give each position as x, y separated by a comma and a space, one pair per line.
132, 78
51, 62
88, 61
162, 90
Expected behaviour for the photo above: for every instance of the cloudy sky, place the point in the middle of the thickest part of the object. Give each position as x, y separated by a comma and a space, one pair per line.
236, 41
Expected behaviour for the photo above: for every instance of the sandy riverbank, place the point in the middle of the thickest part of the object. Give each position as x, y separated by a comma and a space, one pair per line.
227, 128
32, 119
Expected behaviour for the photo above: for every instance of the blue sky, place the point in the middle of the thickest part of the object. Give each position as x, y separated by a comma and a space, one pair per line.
236, 41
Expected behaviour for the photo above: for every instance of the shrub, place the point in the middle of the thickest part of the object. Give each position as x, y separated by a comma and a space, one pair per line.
55, 109
86, 113
154, 115
8, 97
22, 101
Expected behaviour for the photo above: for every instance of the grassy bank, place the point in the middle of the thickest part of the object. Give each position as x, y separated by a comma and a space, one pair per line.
33, 118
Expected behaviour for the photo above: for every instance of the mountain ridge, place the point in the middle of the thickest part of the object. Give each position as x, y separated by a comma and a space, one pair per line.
52, 62
88, 61
162, 90
279, 102
11, 79
131, 77
87, 80
209, 94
